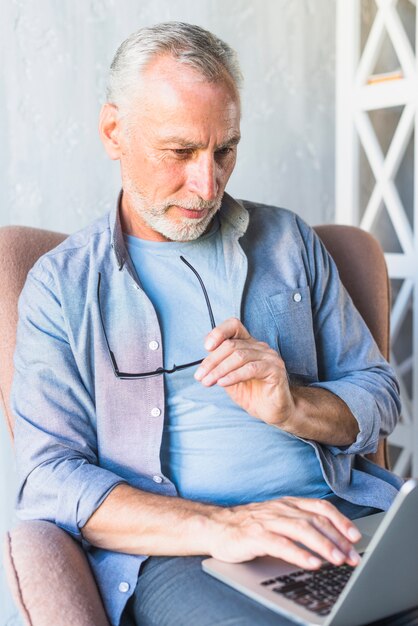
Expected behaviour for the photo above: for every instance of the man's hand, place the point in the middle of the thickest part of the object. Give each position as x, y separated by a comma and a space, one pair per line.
139, 522
255, 377
253, 374
278, 527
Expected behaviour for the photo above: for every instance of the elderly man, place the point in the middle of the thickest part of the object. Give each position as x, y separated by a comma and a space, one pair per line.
140, 430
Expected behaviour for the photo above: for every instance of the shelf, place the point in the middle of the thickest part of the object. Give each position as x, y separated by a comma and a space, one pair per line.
385, 77
385, 94
358, 92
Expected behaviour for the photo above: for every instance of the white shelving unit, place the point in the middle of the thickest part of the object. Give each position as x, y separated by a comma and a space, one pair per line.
360, 91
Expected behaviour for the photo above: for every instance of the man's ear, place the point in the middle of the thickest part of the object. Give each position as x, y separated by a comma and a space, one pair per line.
110, 130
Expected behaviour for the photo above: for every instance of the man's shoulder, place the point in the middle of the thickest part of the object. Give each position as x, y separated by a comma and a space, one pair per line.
76, 249
259, 207
274, 218
84, 238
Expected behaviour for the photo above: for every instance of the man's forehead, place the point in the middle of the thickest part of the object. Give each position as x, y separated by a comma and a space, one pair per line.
166, 66
165, 73
176, 109
230, 138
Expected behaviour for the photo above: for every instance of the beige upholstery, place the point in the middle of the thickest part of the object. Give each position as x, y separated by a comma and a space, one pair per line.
50, 578
362, 268
20, 247
48, 573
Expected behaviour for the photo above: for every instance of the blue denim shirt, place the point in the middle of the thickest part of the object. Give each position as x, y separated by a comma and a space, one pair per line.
80, 431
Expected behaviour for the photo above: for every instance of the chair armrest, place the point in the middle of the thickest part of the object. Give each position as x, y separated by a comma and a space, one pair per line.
50, 577
381, 456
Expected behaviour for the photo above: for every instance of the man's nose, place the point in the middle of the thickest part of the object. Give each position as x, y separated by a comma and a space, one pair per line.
202, 179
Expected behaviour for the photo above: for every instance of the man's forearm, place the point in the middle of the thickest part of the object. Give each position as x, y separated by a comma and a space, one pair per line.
321, 416
140, 522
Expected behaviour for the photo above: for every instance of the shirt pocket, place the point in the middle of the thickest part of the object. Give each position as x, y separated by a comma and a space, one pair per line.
292, 314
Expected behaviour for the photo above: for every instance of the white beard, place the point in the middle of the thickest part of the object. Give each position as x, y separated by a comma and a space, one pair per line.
186, 229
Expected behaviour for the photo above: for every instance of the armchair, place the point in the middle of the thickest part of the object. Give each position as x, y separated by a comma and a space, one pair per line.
47, 570
48, 573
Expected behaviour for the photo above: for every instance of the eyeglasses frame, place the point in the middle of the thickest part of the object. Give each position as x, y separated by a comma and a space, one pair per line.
159, 370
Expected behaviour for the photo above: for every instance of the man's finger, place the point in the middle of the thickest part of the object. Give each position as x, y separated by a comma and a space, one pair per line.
229, 329
253, 370
284, 548
318, 535
326, 509
257, 364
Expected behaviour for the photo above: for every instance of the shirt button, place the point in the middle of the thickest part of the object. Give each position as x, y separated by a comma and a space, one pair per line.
124, 587
155, 412
297, 297
157, 479
153, 345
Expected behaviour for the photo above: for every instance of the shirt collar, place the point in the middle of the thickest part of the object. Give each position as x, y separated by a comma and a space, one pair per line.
232, 212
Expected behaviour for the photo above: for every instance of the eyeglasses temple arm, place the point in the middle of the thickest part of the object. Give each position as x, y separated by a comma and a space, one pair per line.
112, 356
212, 319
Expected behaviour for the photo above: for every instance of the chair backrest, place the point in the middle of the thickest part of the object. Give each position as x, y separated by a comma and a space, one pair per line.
362, 268
20, 247
357, 254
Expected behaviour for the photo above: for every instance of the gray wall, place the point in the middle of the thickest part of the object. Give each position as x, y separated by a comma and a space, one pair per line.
54, 55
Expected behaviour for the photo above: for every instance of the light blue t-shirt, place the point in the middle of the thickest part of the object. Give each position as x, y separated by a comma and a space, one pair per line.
208, 440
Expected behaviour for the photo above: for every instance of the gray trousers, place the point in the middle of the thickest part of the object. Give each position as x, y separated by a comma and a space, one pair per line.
174, 591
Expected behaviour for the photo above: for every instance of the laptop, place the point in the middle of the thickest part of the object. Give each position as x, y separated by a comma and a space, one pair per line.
384, 583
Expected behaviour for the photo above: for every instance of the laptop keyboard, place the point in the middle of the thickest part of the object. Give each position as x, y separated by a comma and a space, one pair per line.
316, 590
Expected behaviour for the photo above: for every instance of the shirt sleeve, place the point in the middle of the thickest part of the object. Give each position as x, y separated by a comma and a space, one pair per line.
59, 479
350, 364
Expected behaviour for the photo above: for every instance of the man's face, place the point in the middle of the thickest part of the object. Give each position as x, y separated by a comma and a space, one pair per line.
178, 150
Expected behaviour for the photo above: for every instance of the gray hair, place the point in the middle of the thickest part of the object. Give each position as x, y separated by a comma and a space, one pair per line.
187, 43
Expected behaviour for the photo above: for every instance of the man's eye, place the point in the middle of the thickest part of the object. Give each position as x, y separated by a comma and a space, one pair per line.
183, 152
224, 151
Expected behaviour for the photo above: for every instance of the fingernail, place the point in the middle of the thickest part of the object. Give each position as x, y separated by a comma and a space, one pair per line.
199, 373
314, 561
209, 343
354, 556
354, 534
337, 555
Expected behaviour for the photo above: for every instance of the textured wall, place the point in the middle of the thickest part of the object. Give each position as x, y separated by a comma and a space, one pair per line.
54, 55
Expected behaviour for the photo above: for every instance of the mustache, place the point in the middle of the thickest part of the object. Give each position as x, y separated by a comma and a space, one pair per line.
196, 203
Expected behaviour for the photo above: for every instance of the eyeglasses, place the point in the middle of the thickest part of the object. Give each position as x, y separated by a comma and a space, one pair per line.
159, 370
